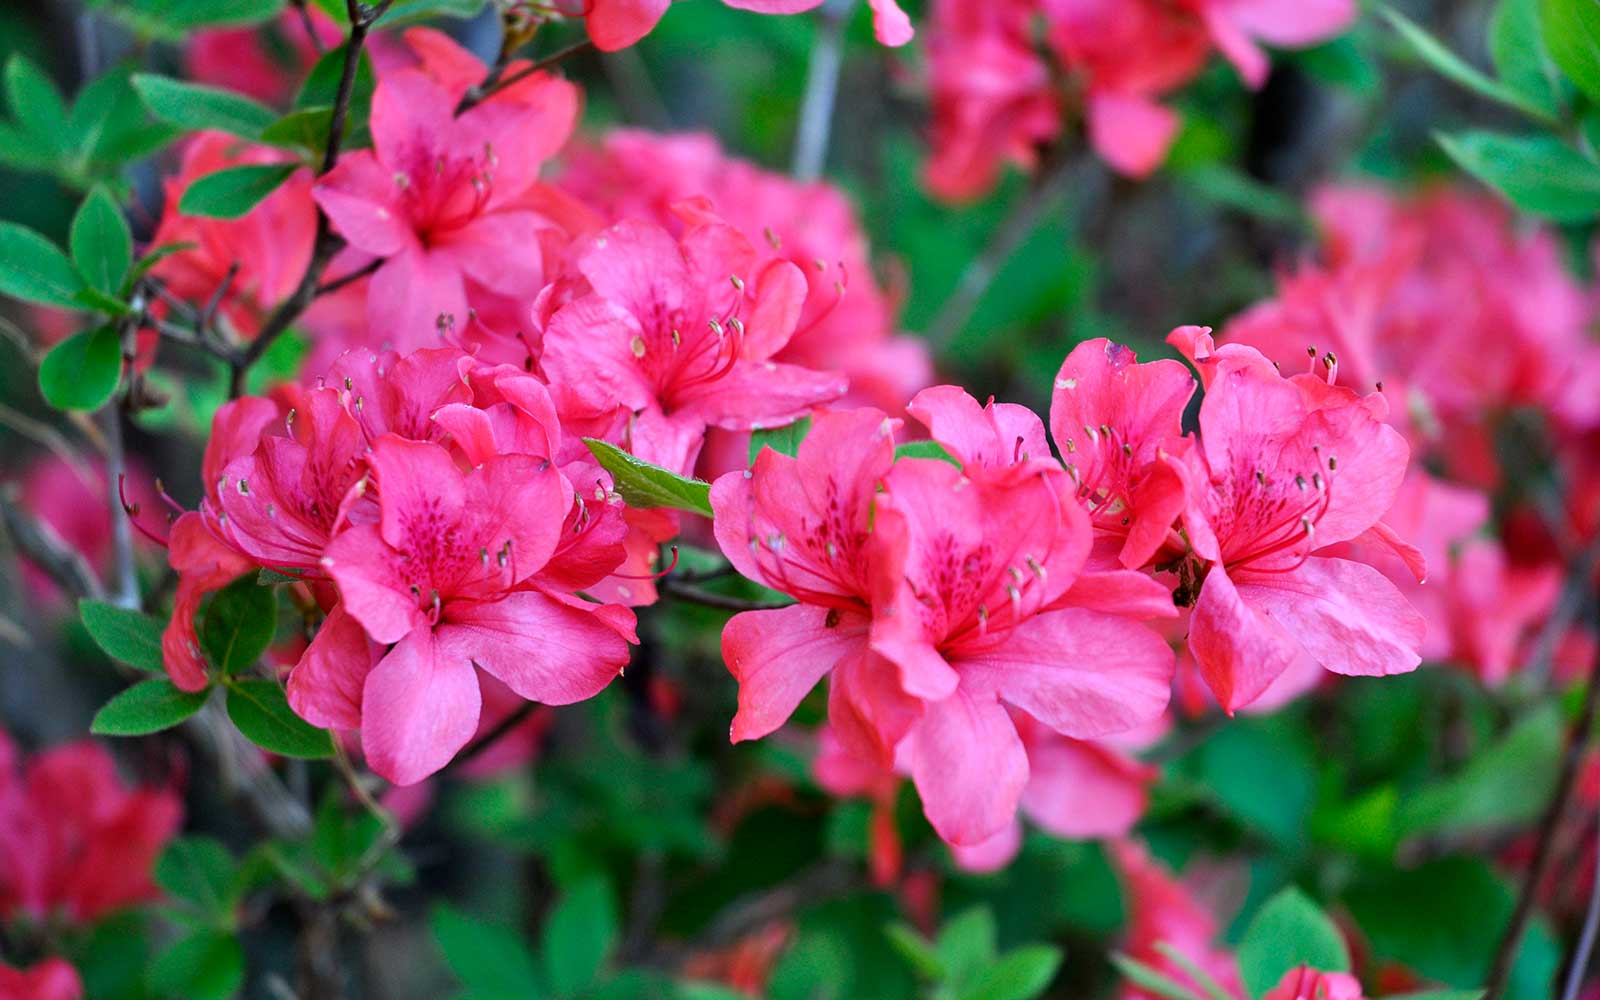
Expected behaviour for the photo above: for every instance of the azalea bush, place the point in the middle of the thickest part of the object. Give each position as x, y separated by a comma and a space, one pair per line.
800, 499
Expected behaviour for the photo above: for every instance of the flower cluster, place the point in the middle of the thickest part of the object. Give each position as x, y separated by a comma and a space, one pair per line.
1009, 75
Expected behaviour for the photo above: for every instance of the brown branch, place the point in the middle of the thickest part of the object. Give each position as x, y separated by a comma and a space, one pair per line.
327, 244
334, 284
1566, 782
722, 602
46, 549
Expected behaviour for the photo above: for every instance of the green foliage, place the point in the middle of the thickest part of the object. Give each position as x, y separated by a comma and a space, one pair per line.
102, 245
1289, 931
172, 20
261, 711
239, 624
126, 636
643, 484
147, 707
784, 440
232, 193
490, 960
1505, 785
1521, 58
34, 269
925, 449
963, 962
1539, 173
200, 873
1451, 66
579, 936
82, 372
195, 106
1572, 33
206, 965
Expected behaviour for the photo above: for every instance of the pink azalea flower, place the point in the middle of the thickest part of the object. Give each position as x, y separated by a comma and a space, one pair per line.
1283, 469
1111, 417
76, 843
71, 501
440, 198
681, 333
1239, 26
847, 322
1306, 983
256, 260
51, 979
1163, 911
926, 604
199, 548
448, 581
265, 62
617, 24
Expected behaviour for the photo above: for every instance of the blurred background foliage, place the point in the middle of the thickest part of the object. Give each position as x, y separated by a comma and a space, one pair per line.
636, 851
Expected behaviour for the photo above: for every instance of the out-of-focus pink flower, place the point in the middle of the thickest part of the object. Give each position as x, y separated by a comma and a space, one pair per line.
51, 979
1283, 469
617, 24
1238, 27
1306, 983
441, 198
1162, 911
256, 260
681, 333
747, 964
847, 322
448, 581
266, 62
75, 842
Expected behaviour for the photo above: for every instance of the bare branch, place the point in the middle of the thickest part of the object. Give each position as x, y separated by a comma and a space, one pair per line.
697, 595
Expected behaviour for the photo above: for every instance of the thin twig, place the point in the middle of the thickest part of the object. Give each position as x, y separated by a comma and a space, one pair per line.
1047, 186
334, 284
124, 589
1586, 940
722, 602
47, 550
822, 90
495, 83
304, 10
1566, 783
489, 739
327, 243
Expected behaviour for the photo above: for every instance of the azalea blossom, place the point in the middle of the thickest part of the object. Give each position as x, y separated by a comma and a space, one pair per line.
1283, 469
76, 842
51, 979
1162, 911
447, 580
1305, 983
617, 24
927, 604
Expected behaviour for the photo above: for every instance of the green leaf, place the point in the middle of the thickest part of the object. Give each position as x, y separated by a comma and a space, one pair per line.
147, 707
1539, 174
207, 965
1152, 980
1264, 774
321, 89
411, 11
82, 372
239, 625
36, 104
916, 949
1290, 930
1233, 189
233, 192
172, 20
305, 129
156, 255
194, 106
124, 635
1572, 31
490, 960
1520, 56
102, 246
1503, 787
644, 485
101, 302
1457, 70
579, 936
199, 870
34, 269
1438, 995
966, 943
261, 711
925, 449
784, 440
1021, 974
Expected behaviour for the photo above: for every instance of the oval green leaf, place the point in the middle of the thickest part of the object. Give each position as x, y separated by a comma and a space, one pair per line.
102, 246
147, 707
82, 372
262, 713
231, 193
34, 269
126, 636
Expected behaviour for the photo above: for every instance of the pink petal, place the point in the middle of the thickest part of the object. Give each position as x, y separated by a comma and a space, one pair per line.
411, 294
989, 855
994, 436
499, 250
1235, 43
757, 394
968, 765
1082, 673
372, 581
1347, 615
1131, 133
1082, 791
617, 24
777, 657
361, 200
890, 24
410, 115
867, 708
544, 649
325, 686
418, 708
420, 486
1289, 23
1239, 650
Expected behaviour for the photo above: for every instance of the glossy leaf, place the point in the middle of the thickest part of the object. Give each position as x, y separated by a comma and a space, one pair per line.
232, 193
644, 485
147, 707
82, 372
261, 710
124, 635
196, 106
1539, 174
102, 245
34, 269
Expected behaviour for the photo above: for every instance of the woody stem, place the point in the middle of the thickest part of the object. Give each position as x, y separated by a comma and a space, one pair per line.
822, 90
